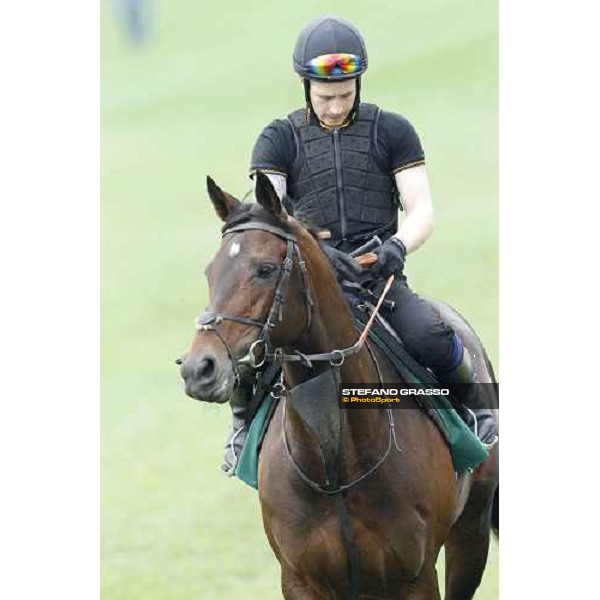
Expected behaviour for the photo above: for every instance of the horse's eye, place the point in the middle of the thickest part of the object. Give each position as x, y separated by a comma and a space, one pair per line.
265, 271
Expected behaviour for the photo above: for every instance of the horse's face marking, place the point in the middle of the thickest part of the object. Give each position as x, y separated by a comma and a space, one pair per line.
234, 249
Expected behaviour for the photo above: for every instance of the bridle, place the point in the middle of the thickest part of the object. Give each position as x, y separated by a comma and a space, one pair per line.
261, 350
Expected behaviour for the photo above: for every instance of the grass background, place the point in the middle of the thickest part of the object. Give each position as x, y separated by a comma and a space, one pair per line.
189, 103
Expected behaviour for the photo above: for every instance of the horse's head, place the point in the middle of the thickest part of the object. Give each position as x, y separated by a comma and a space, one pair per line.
259, 295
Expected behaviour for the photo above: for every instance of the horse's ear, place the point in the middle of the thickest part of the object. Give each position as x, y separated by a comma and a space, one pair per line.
267, 197
225, 204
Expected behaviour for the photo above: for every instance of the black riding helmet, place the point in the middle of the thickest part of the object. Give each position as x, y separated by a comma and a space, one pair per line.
330, 49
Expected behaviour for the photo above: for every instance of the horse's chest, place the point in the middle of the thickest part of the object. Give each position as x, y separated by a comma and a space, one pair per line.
388, 551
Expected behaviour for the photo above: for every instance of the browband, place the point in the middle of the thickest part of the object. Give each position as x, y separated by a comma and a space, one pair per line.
263, 227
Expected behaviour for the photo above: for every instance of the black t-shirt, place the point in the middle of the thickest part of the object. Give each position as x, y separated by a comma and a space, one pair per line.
397, 144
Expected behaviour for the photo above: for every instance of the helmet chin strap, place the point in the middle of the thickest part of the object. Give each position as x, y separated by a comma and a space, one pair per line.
310, 110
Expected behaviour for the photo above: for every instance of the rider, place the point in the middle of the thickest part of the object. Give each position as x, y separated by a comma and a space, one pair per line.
348, 168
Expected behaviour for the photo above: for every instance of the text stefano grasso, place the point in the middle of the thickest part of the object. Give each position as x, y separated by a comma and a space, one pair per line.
387, 392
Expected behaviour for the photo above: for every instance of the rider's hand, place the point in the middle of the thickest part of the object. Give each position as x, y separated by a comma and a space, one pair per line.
343, 264
390, 258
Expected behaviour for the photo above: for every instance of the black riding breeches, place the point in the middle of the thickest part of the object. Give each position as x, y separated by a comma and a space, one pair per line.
430, 341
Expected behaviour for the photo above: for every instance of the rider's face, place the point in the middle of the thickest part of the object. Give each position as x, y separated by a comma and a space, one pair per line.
332, 101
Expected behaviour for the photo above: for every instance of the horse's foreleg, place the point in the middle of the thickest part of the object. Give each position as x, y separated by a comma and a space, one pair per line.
466, 551
465, 563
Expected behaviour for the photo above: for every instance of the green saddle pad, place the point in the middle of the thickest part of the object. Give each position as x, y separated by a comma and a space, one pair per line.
465, 448
247, 466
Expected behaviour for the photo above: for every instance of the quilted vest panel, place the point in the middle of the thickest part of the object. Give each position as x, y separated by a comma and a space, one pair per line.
337, 182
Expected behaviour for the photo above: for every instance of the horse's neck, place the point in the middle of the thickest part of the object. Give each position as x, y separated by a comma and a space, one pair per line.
333, 329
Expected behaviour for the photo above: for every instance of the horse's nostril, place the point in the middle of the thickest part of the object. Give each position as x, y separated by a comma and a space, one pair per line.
206, 369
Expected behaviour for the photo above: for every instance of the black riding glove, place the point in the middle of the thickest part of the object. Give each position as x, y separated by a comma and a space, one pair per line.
345, 267
390, 258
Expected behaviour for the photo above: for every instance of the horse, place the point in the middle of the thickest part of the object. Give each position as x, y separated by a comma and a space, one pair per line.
366, 516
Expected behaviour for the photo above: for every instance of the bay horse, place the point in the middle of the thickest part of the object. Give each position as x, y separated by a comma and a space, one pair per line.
367, 522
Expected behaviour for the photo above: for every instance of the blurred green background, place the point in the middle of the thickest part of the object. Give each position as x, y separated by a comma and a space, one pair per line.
190, 102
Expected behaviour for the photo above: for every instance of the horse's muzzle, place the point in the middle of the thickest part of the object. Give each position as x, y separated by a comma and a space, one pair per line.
205, 380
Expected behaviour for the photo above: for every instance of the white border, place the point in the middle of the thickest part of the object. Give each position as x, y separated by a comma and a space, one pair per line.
548, 196
49, 187
49, 250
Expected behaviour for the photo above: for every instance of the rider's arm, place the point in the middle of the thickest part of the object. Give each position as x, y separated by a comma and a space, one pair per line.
400, 145
274, 153
415, 195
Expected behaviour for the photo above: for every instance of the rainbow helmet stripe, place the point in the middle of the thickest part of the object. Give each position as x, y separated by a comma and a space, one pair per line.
335, 66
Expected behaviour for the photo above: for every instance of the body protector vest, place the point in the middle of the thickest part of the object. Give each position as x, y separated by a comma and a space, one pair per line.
337, 182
